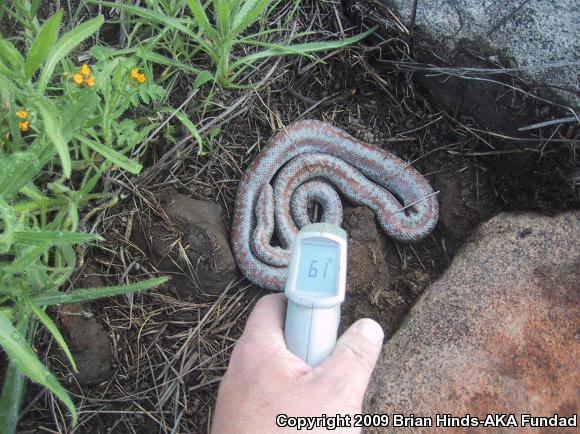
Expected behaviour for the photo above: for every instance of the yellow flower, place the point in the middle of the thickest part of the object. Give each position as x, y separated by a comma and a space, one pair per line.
85, 69
84, 77
78, 79
135, 74
24, 125
21, 114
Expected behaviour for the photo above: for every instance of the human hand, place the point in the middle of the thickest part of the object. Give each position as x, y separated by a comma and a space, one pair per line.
264, 379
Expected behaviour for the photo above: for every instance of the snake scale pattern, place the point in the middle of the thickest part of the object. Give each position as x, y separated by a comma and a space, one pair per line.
308, 161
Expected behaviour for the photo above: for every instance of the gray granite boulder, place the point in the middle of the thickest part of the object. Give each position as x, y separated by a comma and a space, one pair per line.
539, 39
534, 33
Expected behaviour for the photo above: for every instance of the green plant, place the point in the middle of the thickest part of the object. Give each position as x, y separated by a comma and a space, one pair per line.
217, 31
62, 128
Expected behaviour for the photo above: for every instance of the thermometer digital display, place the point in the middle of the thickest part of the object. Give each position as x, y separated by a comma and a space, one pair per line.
315, 288
318, 268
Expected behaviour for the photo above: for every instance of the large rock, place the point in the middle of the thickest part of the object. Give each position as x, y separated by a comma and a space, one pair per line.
497, 333
539, 38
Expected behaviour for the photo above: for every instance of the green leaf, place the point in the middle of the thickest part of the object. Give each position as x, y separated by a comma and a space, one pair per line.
24, 259
54, 238
25, 167
113, 156
202, 78
13, 387
52, 328
8, 217
192, 129
54, 130
67, 254
2, 8
42, 205
10, 56
65, 45
44, 152
222, 17
10, 291
21, 355
105, 53
151, 15
89, 294
248, 14
300, 49
163, 60
256, 36
76, 113
201, 17
41, 47
32, 192
5, 71
13, 390
19, 169
34, 5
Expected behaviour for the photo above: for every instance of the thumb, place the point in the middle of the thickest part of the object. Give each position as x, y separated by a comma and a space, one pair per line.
355, 355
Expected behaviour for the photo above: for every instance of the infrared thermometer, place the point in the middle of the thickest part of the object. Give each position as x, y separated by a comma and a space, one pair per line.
315, 288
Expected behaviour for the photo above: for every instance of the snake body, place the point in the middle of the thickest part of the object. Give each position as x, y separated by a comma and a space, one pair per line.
304, 162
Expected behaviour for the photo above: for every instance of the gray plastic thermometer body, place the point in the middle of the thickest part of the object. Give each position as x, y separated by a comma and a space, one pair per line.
315, 289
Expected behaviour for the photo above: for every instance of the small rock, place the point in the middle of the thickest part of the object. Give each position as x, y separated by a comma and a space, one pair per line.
88, 343
497, 333
85, 336
195, 250
368, 137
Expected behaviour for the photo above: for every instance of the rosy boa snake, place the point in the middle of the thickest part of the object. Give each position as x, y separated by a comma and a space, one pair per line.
310, 156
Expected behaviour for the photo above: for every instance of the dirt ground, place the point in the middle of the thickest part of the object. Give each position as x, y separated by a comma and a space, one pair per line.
170, 350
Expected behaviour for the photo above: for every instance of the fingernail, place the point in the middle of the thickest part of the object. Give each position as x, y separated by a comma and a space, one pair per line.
371, 330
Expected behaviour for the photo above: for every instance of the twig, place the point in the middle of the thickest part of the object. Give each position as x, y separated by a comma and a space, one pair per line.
549, 123
414, 15
483, 153
416, 202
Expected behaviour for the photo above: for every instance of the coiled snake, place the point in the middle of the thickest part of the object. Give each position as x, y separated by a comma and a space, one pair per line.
310, 156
